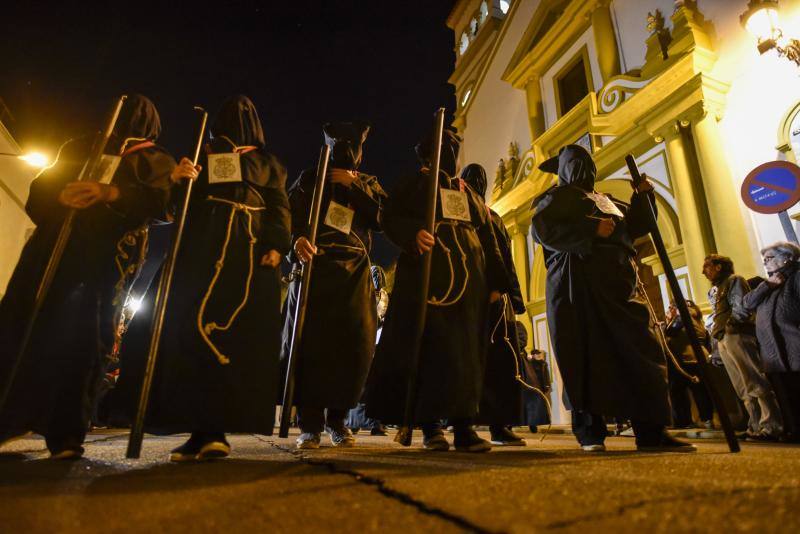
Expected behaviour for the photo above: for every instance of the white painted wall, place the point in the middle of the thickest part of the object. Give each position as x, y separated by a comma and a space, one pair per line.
498, 113
15, 226
630, 24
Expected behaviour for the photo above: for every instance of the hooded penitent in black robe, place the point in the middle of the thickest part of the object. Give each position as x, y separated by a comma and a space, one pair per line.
216, 379
73, 334
501, 403
455, 336
341, 319
607, 353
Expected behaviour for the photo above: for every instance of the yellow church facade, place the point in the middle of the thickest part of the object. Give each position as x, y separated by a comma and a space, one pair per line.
679, 84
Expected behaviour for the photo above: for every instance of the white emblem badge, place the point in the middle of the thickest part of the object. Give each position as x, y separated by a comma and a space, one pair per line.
339, 217
605, 204
454, 205
224, 168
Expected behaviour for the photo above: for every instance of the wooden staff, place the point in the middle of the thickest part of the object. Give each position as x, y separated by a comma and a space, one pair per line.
405, 432
87, 173
683, 309
302, 295
160, 306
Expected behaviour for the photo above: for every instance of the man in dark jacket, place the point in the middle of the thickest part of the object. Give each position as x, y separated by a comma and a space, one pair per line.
733, 329
609, 358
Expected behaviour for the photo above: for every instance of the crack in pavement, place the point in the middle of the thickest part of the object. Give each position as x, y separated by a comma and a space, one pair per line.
621, 510
383, 489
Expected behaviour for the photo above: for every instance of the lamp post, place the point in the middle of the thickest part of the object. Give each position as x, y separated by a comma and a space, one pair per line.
761, 19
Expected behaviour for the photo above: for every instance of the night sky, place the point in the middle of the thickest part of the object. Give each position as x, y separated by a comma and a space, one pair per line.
302, 62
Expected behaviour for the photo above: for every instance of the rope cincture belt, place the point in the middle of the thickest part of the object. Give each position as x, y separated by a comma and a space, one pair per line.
208, 328
443, 301
517, 372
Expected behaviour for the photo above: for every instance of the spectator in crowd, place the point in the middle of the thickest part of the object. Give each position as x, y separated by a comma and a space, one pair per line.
777, 306
536, 373
734, 330
679, 384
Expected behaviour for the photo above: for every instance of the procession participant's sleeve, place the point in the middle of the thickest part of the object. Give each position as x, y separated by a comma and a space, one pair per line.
42, 205
368, 199
498, 277
563, 234
638, 216
276, 220
300, 196
400, 221
515, 291
144, 191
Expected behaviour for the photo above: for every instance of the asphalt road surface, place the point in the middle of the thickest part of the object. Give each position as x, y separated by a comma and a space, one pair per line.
268, 486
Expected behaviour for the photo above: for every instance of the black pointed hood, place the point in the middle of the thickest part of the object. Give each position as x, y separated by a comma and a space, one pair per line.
237, 119
574, 166
138, 118
346, 140
451, 145
475, 176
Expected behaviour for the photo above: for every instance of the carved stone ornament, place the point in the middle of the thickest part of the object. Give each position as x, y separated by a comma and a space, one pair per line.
655, 21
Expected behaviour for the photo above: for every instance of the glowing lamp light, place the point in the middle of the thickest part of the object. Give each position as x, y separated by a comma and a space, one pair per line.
504, 5
35, 159
762, 21
134, 305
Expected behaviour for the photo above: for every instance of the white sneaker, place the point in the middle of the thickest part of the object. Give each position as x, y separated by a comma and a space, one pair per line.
599, 447
341, 437
308, 440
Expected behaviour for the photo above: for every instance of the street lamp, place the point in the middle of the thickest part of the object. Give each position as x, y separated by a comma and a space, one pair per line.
34, 159
761, 19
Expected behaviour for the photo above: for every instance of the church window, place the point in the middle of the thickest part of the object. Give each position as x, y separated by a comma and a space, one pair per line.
572, 85
483, 12
463, 44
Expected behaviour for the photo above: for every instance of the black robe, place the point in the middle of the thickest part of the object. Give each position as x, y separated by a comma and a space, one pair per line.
600, 327
193, 390
455, 337
52, 394
341, 317
501, 403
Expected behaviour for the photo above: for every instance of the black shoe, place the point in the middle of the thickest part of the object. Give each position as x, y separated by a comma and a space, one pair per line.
470, 441
187, 452
215, 447
378, 430
533, 428
435, 441
764, 437
505, 437
68, 453
665, 443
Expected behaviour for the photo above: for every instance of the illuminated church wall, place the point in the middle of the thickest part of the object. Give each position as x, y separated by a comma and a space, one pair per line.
15, 179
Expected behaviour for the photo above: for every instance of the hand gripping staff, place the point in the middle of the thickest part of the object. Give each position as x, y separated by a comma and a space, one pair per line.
405, 432
87, 172
160, 306
302, 294
686, 318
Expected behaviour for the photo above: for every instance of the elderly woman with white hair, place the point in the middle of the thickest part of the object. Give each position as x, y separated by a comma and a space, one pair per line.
777, 306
